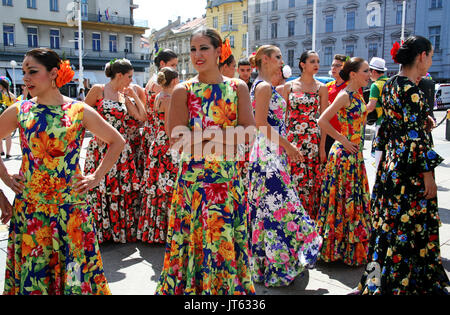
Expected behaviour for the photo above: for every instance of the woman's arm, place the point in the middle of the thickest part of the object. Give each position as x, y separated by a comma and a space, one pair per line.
8, 123
101, 129
323, 98
94, 95
263, 95
341, 101
136, 109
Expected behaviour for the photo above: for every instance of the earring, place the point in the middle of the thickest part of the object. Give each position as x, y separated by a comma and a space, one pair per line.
54, 84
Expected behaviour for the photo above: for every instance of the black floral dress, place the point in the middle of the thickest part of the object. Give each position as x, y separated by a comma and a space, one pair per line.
404, 253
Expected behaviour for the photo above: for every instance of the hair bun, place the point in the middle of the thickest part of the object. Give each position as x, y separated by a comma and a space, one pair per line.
161, 78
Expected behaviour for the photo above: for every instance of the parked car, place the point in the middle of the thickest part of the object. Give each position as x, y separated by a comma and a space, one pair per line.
442, 96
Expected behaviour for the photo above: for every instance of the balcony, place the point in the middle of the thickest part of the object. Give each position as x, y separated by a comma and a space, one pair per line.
229, 28
114, 19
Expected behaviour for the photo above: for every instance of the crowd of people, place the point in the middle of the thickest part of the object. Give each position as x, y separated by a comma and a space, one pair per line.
245, 180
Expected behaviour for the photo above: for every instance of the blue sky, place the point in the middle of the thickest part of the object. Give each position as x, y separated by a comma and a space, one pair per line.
159, 14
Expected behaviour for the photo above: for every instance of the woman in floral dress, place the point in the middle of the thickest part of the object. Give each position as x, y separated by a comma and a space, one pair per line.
160, 169
344, 218
52, 245
207, 243
307, 98
284, 240
114, 201
404, 254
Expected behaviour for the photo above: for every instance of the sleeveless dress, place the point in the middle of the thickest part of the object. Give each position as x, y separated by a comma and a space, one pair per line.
207, 248
344, 217
404, 253
304, 133
114, 200
284, 240
52, 245
160, 171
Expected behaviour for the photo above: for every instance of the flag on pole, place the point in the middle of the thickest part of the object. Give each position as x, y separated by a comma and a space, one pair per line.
99, 16
107, 14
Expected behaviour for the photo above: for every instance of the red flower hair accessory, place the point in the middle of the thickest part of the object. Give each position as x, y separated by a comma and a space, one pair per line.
65, 74
226, 51
395, 50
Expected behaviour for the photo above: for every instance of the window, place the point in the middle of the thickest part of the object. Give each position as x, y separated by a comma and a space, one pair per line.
96, 42
244, 41
373, 50
54, 5
129, 44
245, 17
274, 30
31, 4
308, 2
76, 40
112, 43
436, 4
350, 50
215, 22
291, 28
257, 32
291, 58
257, 6
230, 19
399, 14
7, 3
84, 10
351, 20
274, 5
54, 39
309, 26
232, 41
8, 35
328, 54
32, 37
329, 24
291, 3
435, 37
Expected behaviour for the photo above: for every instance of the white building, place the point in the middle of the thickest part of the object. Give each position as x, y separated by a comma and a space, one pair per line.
108, 27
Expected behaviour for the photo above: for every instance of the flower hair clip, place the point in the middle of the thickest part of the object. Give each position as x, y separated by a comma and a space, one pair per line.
65, 74
226, 51
6, 79
394, 51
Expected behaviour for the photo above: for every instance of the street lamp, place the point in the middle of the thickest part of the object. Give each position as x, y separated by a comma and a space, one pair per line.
13, 64
183, 73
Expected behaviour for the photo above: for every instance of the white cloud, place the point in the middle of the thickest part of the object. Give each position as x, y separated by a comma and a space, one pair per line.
158, 13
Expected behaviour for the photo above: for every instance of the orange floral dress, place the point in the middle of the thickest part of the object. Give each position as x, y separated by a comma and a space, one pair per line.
52, 245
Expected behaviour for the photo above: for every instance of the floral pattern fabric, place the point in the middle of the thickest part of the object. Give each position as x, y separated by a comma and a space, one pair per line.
52, 245
114, 201
207, 248
160, 171
284, 240
304, 133
404, 255
344, 218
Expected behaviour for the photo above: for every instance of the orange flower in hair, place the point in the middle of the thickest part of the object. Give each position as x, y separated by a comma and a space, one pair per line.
65, 74
226, 51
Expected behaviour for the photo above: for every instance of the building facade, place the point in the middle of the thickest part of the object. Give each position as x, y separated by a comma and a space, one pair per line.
431, 22
176, 36
108, 31
230, 18
354, 27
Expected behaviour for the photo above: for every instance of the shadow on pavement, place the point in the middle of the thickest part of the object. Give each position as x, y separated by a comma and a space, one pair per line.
444, 214
347, 275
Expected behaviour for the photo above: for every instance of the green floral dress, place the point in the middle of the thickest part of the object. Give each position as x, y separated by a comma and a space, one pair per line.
207, 248
404, 253
52, 245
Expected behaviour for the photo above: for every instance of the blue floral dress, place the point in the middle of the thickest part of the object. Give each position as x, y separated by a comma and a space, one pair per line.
284, 240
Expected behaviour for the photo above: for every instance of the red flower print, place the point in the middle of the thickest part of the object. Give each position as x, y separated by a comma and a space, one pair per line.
216, 193
66, 121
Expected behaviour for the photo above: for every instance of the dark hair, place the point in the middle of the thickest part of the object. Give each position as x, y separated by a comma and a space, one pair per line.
227, 62
244, 62
340, 57
5, 85
166, 75
411, 48
166, 55
117, 66
304, 57
352, 65
214, 36
47, 57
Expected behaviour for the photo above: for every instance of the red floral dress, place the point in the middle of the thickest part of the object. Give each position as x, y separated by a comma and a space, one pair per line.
160, 171
114, 200
304, 133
